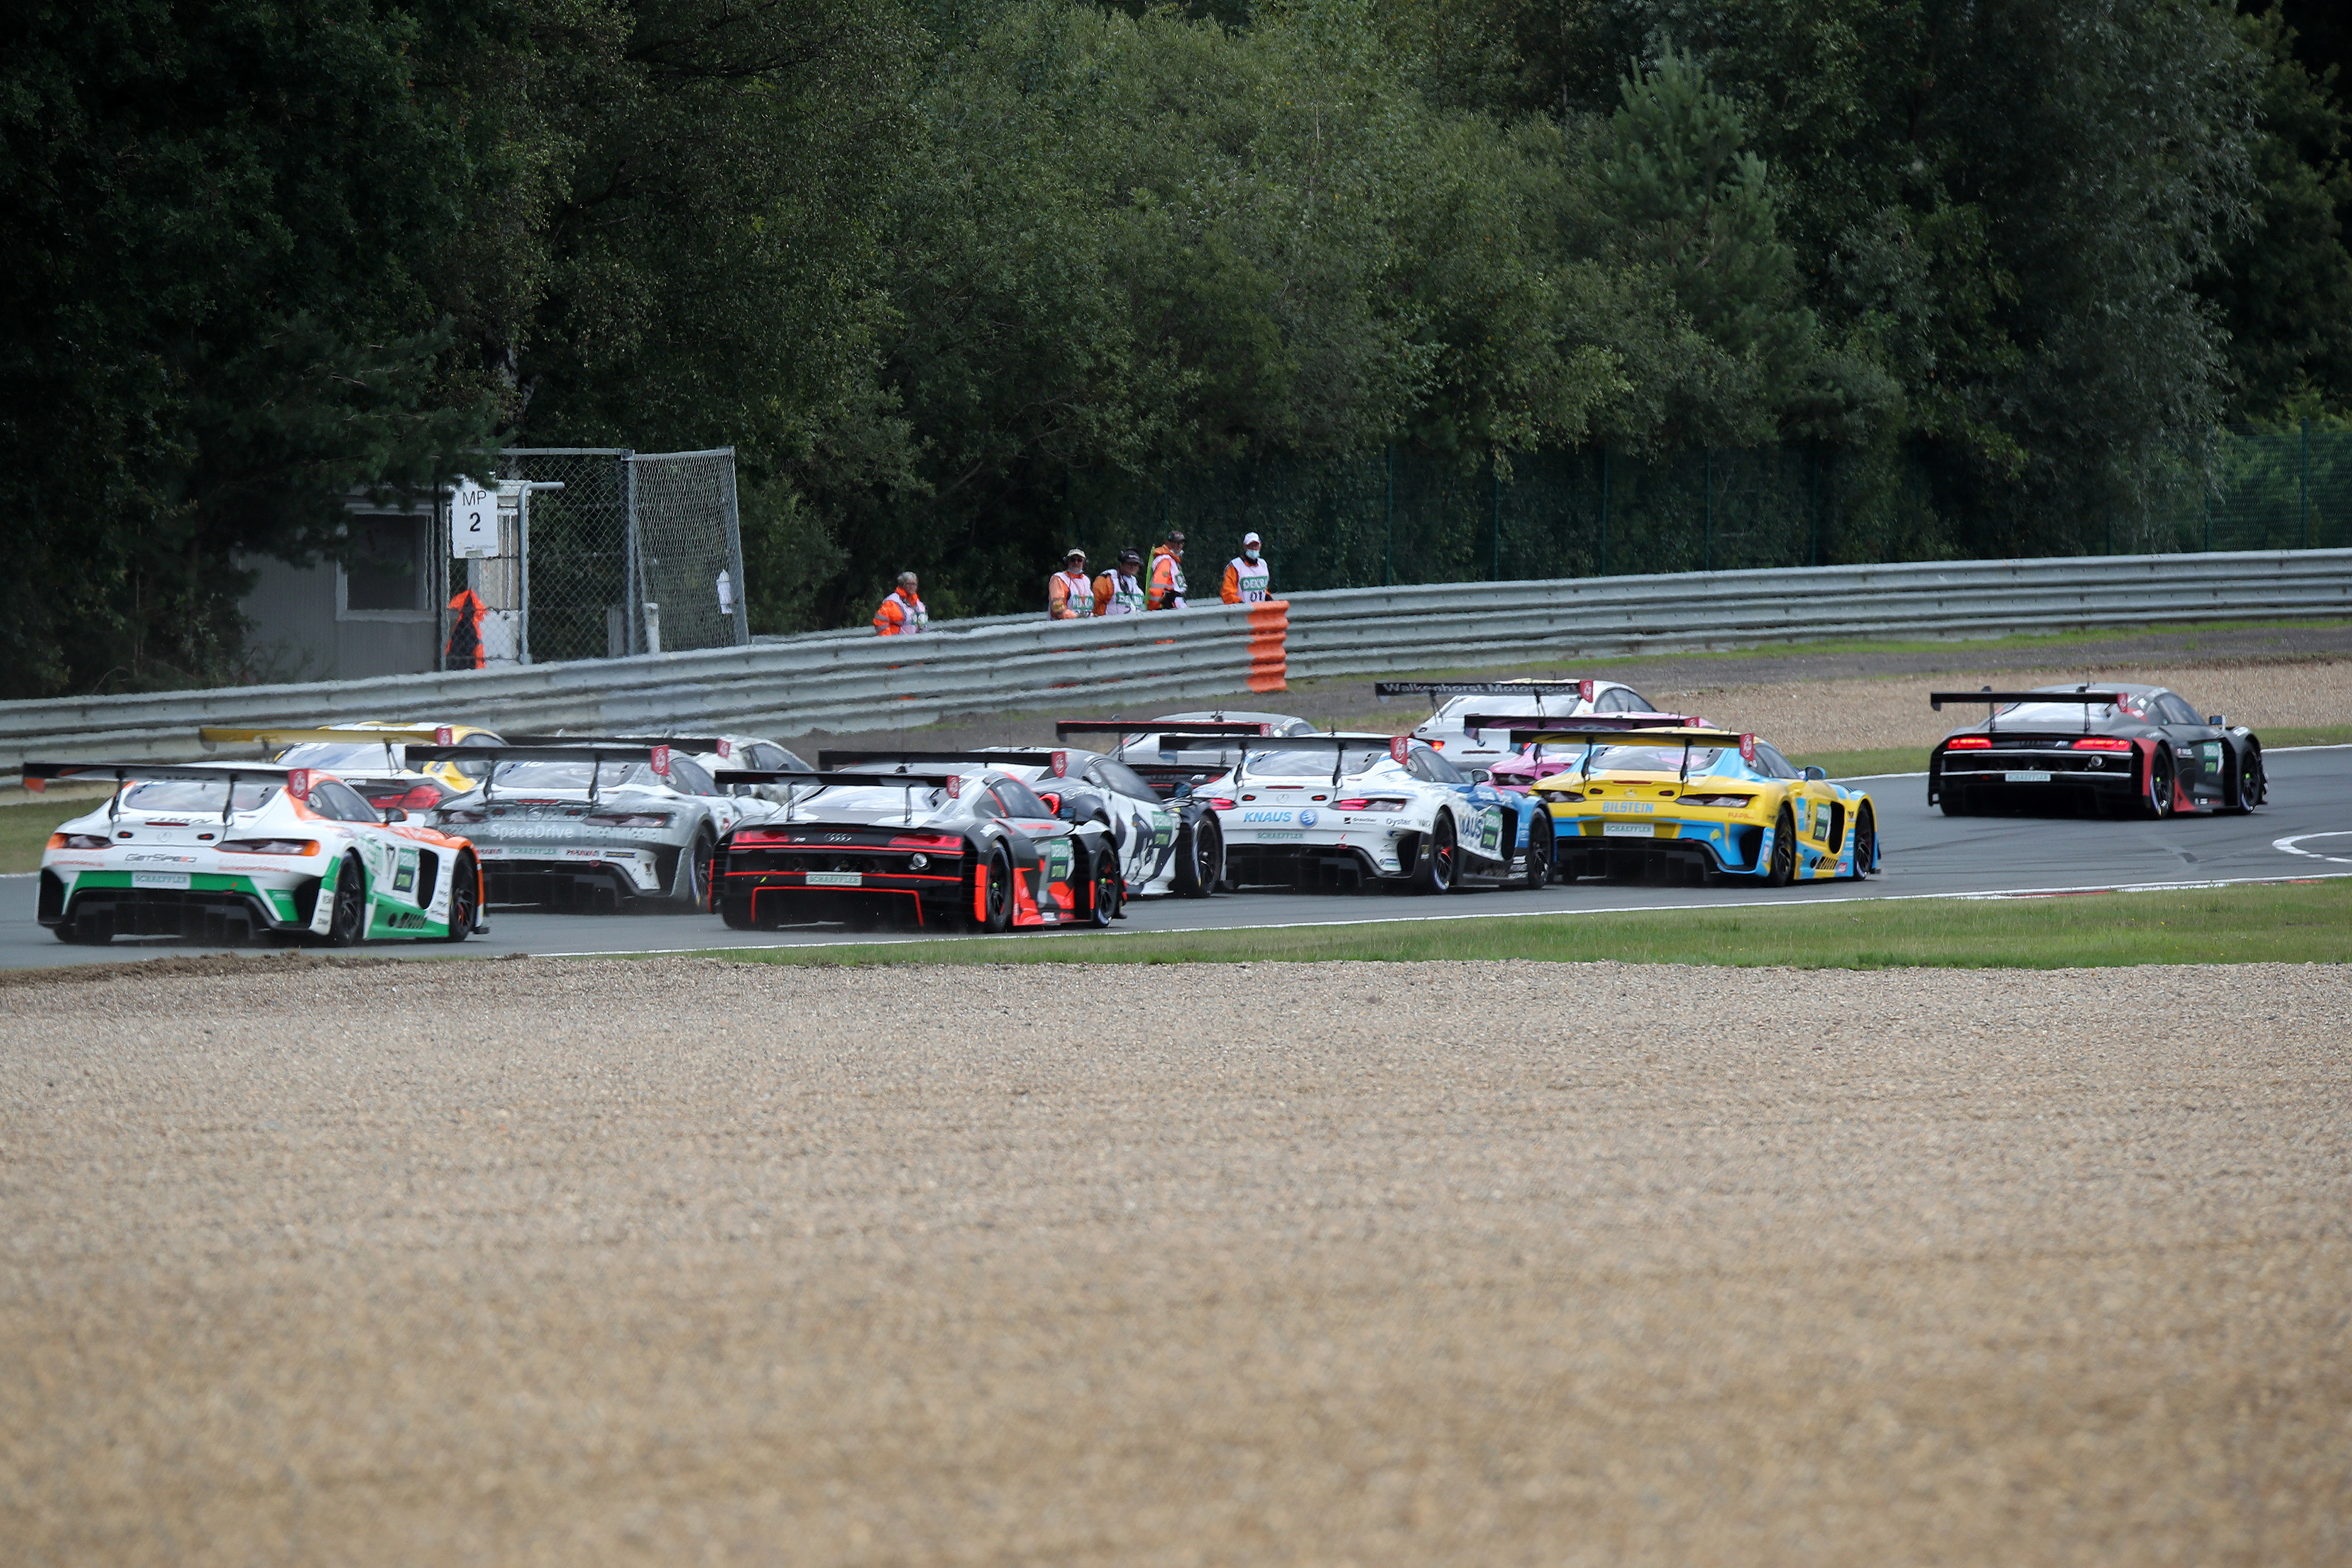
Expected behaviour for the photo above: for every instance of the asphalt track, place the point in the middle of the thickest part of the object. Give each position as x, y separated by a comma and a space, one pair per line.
2305, 831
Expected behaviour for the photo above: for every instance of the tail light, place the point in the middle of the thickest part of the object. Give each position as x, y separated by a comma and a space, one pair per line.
1729, 802
77, 840
1371, 803
1220, 804
2103, 743
627, 819
465, 816
1563, 795
424, 798
1969, 743
269, 846
925, 841
764, 836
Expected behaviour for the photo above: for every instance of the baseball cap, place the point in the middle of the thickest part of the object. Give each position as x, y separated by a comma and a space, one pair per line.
1075, 554
1251, 539
1135, 555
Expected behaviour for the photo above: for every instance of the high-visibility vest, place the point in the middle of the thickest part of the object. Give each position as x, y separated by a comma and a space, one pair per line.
900, 615
465, 652
1166, 579
1117, 593
1069, 596
1247, 581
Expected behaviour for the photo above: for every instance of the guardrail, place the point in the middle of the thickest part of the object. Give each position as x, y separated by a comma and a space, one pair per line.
854, 681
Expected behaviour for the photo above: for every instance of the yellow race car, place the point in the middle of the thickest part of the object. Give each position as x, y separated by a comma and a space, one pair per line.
371, 757
1694, 805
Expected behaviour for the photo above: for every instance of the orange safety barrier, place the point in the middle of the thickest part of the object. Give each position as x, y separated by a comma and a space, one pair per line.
1269, 661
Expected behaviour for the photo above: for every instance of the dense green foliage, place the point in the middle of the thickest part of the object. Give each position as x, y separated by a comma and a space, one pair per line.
934, 270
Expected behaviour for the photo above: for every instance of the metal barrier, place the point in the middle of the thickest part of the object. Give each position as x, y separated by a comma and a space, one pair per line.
855, 681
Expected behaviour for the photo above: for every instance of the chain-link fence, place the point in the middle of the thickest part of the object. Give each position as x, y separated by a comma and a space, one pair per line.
1402, 516
689, 548
625, 557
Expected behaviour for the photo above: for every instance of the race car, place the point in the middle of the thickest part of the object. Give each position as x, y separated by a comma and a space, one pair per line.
1172, 846
1345, 811
1688, 804
968, 845
2114, 746
710, 752
226, 851
1150, 747
371, 757
1453, 703
595, 825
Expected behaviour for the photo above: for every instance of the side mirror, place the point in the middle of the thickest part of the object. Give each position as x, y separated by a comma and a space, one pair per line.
1066, 811
2218, 720
1481, 776
1181, 792
393, 814
1814, 772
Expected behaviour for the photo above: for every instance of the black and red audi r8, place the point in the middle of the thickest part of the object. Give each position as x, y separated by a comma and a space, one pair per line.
960, 847
2092, 749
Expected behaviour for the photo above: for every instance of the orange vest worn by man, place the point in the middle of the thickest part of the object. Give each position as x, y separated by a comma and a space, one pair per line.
1247, 581
1168, 573
1069, 596
465, 651
903, 612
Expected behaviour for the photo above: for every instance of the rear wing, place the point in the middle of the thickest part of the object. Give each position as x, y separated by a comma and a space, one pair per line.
1582, 690
214, 734
826, 778
1230, 729
1593, 733
1523, 728
705, 743
1055, 762
593, 753
2089, 699
296, 780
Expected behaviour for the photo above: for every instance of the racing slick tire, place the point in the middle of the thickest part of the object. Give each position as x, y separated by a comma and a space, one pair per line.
2157, 801
997, 899
1439, 864
346, 925
1782, 869
1200, 859
465, 899
1540, 852
72, 931
1952, 807
2248, 786
1110, 888
737, 913
690, 885
1865, 841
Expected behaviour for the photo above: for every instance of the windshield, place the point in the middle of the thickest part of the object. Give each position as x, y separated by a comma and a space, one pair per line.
572, 775
1359, 757
196, 795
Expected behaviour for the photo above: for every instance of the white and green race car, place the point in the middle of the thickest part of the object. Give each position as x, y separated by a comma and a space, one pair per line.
226, 852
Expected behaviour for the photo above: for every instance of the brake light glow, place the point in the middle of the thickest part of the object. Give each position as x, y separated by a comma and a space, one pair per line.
76, 840
1221, 803
269, 846
2103, 743
765, 836
1969, 743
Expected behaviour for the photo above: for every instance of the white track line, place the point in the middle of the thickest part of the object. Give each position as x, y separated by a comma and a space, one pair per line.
1507, 915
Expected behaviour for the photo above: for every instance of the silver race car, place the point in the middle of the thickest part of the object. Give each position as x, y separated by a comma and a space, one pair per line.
595, 825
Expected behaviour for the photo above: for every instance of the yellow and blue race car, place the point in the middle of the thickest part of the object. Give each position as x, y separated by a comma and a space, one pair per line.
1693, 805
372, 756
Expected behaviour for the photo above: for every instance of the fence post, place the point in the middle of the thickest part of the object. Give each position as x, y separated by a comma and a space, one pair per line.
1604, 511
632, 588
2303, 492
1813, 505
1707, 520
1388, 545
1494, 477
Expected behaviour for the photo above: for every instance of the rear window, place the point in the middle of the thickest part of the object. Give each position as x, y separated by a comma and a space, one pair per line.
194, 794
572, 775
1316, 763
342, 756
1019, 799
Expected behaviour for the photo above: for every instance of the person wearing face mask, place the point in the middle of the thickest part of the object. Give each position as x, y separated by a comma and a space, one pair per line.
1247, 581
1069, 592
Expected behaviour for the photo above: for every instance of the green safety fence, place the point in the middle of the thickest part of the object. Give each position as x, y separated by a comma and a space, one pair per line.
1402, 516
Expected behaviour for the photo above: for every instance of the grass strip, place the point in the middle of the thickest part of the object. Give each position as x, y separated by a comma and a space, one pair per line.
2292, 923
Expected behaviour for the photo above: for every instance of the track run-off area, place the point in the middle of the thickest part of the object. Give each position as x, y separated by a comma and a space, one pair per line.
2306, 831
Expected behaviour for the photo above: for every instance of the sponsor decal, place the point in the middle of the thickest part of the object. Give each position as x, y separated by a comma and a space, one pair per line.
443, 735
1490, 829
165, 860
1307, 818
660, 760
1266, 833
159, 879
1061, 764
1642, 806
836, 879
1399, 744
1585, 688
1628, 830
1248, 817
404, 875
1747, 749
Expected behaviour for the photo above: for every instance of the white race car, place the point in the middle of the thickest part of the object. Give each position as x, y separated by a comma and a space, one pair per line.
1171, 846
223, 851
1341, 811
596, 824
1533, 700
1182, 750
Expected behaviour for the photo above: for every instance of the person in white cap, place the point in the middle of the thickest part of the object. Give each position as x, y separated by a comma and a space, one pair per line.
1247, 581
1070, 592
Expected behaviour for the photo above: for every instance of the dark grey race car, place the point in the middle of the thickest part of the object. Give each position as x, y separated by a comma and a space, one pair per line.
2092, 749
